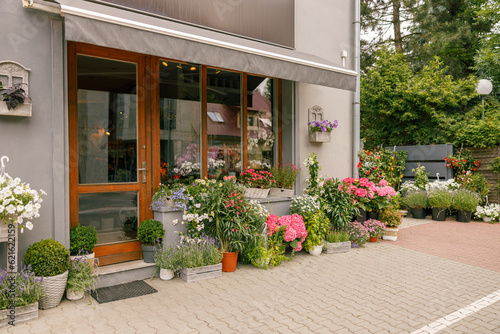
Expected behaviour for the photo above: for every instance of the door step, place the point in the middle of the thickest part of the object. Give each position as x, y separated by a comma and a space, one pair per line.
125, 272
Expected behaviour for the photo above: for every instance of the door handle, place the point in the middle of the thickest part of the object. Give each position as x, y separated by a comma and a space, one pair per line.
144, 172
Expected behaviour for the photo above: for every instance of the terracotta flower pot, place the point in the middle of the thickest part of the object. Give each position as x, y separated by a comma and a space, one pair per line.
229, 260
372, 239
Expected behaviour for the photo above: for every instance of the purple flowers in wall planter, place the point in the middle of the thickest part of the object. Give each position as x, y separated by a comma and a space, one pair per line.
320, 131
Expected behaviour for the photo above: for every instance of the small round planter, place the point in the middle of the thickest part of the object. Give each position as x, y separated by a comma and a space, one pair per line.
418, 213
166, 274
372, 239
439, 214
464, 216
53, 289
372, 215
74, 295
229, 260
316, 250
148, 252
486, 219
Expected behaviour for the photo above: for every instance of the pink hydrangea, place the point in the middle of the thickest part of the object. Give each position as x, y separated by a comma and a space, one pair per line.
383, 183
271, 222
290, 234
360, 192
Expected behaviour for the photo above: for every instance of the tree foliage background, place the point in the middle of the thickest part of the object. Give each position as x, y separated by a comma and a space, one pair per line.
420, 67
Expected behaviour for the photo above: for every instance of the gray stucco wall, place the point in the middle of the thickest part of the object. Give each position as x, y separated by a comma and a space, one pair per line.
35, 145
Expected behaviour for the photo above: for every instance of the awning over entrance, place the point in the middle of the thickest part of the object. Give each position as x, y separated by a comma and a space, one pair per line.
92, 23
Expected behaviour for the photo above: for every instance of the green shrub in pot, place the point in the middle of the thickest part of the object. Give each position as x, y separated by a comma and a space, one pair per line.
150, 232
465, 200
47, 258
440, 198
82, 239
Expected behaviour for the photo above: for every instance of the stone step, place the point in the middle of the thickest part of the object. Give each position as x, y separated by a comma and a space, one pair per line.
119, 273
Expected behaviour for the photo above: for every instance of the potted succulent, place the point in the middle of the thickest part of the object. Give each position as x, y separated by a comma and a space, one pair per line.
464, 202
374, 228
82, 240
357, 233
439, 201
337, 242
199, 260
392, 218
150, 233
317, 226
417, 201
488, 213
82, 276
49, 260
256, 182
24, 290
284, 179
167, 260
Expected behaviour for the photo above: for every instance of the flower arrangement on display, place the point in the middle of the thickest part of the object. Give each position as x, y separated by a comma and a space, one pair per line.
374, 228
170, 195
188, 163
382, 164
25, 288
489, 212
322, 126
18, 202
285, 176
251, 178
357, 232
462, 162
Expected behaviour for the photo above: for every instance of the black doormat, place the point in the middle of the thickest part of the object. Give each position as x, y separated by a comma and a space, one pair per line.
122, 291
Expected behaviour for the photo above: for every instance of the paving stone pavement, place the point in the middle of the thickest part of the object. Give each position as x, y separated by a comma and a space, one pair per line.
378, 288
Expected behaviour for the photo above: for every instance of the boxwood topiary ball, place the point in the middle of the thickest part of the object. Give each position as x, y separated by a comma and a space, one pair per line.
47, 258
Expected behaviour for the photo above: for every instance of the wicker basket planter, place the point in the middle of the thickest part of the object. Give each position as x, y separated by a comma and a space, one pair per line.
337, 247
390, 233
281, 192
18, 315
256, 192
201, 273
53, 288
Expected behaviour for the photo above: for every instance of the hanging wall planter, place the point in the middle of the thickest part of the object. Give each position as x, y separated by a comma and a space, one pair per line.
320, 137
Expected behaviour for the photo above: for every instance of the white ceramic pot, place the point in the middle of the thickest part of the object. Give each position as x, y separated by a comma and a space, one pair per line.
316, 250
166, 274
74, 295
486, 219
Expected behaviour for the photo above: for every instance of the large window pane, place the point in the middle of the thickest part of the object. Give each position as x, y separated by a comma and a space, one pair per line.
261, 125
180, 121
224, 123
107, 121
113, 214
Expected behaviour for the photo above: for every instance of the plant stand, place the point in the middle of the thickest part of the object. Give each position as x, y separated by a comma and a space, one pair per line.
21, 314
337, 247
201, 273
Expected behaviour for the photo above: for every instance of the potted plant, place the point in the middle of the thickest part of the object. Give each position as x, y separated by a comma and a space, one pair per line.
439, 201
257, 183
170, 196
49, 260
337, 242
488, 213
417, 201
337, 204
150, 233
167, 260
82, 240
82, 276
22, 289
392, 218
284, 179
317, 225
199, 259
357, 233
464, 202
321, 131
374, 228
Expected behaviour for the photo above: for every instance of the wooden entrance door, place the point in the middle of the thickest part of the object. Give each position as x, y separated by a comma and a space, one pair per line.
110, 159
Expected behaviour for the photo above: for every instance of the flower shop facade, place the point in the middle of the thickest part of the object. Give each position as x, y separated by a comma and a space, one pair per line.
127, 94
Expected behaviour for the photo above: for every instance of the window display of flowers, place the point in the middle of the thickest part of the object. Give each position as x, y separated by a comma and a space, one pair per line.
375, 228
357, 232
251, 178
168, 195
489, 211
322, 126
25, 288
285, 176
18, 202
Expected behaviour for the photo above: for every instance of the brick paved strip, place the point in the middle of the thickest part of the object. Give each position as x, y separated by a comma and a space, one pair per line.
470, 309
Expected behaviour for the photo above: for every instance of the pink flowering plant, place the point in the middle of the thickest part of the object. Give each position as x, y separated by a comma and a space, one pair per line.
251, 178
288, 229
367, 195
357, 232
375, 228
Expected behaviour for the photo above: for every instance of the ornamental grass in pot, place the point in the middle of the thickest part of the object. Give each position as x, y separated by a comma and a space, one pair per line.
168, 262
337, 242
150, 233
417, 201
49, 260
82, 277
464, 202
440, 201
